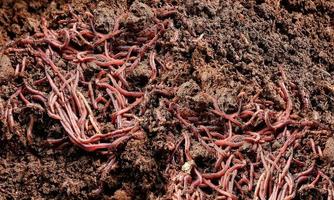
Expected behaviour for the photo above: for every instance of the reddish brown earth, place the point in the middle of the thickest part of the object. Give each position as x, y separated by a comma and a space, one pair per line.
222, 48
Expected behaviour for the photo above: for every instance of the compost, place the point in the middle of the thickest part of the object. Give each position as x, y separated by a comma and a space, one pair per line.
166, 100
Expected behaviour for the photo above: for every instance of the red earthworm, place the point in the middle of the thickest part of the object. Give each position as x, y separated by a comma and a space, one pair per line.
83, 107
23, 98
81, 36
200, 178
40, 81
232, 181
29, 129
17, 70
56, 141
281, 195
118, 94
121, 69
273, 164
68, 81
218, 162
306, 172
107, 37
226, 116
91, 95
77, 103
148, 45
320, 151
229, 143
50, 63
52, 84
217, 135
53, 99
68, 57
134, 64
288, 108
153, 66
73, 120
136, 49
298, 162
207, 147
86, 33
314, 182
33, 91
24, 63
53, 116
121, 54
243, 180
13, 49
273, 195
288, 142
313, 146
100, 99
124, 110
214, 187
284, 171
35, 106
124, 92
267, 120
258, 185
206, 130
228, 173
301, 179
251, 120
221, 172
265, 188
251, 174
115, 104
290, 182
187, 146
251, 139
64, 119
119, 132
10, 119
84, 59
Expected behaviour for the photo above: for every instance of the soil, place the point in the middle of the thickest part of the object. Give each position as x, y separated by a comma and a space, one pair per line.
222, 48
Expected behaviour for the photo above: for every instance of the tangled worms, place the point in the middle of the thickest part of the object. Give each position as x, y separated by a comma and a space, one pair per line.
75, 75
79, 78
246, 164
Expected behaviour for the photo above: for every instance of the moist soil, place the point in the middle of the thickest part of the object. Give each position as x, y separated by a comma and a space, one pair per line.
221, 48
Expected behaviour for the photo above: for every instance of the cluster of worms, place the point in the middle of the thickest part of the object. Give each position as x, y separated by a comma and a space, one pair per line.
253, 153
79, 78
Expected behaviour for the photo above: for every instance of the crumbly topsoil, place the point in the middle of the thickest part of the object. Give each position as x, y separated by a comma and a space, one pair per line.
221, 48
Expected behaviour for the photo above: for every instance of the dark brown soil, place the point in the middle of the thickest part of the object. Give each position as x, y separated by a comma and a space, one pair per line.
218, 47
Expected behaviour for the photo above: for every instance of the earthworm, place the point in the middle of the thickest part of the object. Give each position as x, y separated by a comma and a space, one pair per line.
29, 129
107, 37
17, 70
232, 196
124, 110
228, 173
314, 182
153, 66
221, 172
320, 152
122, 91
284, 171
306, 172
313, 146
187, 145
